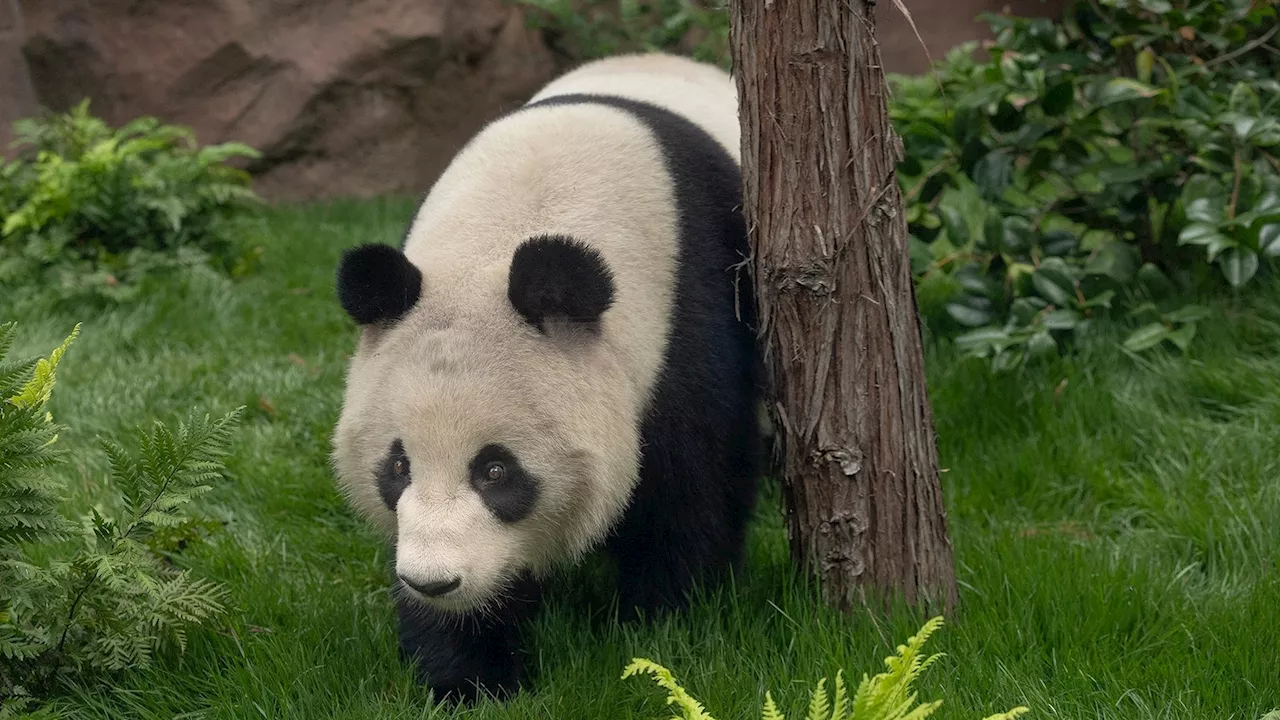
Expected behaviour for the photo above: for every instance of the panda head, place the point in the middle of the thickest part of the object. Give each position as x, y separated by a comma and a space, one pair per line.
485, 425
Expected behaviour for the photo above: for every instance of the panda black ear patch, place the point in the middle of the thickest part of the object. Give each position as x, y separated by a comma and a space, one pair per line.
377, 282
554, 275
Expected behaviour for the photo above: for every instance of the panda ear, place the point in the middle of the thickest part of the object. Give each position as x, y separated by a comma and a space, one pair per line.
556, 276
377, 283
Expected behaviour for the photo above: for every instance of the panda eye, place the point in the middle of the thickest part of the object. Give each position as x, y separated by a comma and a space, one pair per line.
402, 467
495, 472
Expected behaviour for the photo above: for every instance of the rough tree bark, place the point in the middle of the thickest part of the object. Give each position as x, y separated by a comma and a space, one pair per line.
836, 303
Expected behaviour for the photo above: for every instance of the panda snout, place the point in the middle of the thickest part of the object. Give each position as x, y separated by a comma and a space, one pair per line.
432, 588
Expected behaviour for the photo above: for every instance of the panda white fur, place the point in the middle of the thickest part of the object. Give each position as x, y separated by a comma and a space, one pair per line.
560, 356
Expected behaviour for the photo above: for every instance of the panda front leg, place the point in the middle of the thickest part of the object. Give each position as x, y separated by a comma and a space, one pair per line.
672, 540
461, 657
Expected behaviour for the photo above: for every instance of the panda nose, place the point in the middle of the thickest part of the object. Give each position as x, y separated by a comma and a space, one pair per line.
434, 588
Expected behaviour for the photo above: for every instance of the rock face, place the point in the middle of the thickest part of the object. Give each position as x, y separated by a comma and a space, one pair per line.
344, 97
17, 99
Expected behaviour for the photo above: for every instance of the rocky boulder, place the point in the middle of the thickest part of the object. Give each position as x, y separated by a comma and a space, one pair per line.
343, 97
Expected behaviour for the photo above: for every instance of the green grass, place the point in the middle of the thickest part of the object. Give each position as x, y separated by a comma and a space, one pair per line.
1116, 523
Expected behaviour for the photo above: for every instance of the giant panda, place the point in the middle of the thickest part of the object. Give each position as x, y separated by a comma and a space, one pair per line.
560, 357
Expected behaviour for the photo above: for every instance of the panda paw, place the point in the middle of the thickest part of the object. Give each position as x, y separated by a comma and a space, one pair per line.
463, 658
465, 691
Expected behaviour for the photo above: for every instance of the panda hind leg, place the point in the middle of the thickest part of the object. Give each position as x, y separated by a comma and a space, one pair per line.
462, 658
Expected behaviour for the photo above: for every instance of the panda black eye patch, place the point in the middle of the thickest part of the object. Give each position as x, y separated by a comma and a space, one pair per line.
393, 475
506, 488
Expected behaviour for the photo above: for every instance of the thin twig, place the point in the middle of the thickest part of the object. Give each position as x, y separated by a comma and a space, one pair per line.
71, 614
1243, 49
911, 194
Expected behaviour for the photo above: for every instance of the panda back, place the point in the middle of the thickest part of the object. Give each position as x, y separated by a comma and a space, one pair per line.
636, 156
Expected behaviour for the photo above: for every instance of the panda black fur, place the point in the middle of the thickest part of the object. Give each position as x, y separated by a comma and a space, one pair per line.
670, 496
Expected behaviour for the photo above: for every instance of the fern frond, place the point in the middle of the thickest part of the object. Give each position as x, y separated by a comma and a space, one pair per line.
173, 468
1015, 712
8, 331
35, 394
840, 705
771, 711
28, 499
12, 372
886, 696
819, 704
690, 709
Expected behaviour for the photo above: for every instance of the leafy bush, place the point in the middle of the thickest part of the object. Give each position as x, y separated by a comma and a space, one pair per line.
584, 29
92, 208
887, 696
1101, 166
95, 591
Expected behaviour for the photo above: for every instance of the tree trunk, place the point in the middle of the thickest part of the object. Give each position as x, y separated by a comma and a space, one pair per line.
836, 303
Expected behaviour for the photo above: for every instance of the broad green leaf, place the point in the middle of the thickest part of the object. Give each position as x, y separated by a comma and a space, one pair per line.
1007, 118
1199, 234
1203, 186
1058, 98
971, 278
1062, 319
1007, 361
1244, 100
1269, 240
992, 173
993, 230
920, 255
955, 224
1158, 7
1182, 336
1123, 89
1042, 343
1189, 314
1244, 127
1268, 203
1115, 260
1025, 309
969, 316
983, 337
1051, 287
1238, 265
1102, 299
1059, 242
1147, 59
1206, 210
1017, 234
1145, 337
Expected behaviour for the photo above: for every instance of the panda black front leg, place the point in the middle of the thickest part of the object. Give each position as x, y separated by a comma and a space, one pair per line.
664, 549
461, 657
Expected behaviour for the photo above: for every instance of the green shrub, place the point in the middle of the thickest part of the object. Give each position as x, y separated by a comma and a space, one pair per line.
1105, 167
585, 29
886, 696
1109, 165
91, 208
95, 591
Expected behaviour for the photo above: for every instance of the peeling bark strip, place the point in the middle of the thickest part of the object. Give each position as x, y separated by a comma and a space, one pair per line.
837, 306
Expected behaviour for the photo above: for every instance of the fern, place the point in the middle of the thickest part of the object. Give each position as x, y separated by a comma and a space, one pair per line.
91, 208
771, 711
100, 598
690, 709
886, 696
